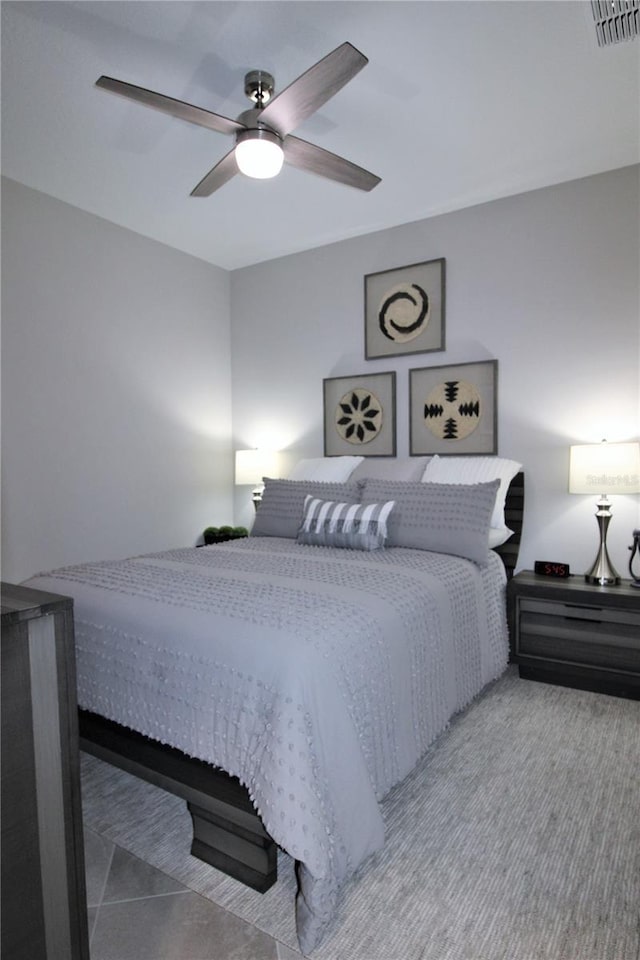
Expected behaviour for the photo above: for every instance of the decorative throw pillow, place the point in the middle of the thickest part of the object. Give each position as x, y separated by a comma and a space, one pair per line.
325, 469
355, 526
282, 508
446, 518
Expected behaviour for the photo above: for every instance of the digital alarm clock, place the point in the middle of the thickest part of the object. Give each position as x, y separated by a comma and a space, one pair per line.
550, 568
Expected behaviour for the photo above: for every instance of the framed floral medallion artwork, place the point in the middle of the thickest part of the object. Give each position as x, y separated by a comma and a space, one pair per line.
360, 415
453, 409
404, 310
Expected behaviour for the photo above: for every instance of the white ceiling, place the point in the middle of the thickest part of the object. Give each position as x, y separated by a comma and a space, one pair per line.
461, 102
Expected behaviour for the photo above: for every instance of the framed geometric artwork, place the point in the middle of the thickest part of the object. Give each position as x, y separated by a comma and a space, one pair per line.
453, 409
360, 415
404, 310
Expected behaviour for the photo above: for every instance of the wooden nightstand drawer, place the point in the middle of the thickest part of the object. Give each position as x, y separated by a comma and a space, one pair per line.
582, 612
597, 636
596, 643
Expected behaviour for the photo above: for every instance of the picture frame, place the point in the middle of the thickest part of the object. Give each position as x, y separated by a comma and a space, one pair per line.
453, 409
404, 310
360, 415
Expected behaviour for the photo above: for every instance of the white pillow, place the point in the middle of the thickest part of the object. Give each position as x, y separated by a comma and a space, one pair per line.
476, 470
325, 469
498, 536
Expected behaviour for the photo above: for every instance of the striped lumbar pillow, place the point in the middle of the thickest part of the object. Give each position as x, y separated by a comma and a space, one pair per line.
357, 526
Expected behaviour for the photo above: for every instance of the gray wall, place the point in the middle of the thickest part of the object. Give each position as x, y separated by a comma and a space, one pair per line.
546, 282
116, 380
116, 389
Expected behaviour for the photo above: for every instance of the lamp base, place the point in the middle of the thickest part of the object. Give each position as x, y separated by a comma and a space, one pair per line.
257, 495
602, 572
602, 581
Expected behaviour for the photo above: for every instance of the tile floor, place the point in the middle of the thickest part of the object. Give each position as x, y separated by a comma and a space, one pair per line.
136, 912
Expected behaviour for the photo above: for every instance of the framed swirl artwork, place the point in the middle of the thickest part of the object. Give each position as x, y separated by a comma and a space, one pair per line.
360, 415
404, 310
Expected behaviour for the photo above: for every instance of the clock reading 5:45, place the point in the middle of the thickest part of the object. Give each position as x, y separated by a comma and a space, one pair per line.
550, 568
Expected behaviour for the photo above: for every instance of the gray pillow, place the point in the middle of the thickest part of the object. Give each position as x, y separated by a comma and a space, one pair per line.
444, 517
390, 468
282, 508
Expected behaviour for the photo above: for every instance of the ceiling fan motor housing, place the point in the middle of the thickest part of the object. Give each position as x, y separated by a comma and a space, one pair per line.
252, 120
259, 133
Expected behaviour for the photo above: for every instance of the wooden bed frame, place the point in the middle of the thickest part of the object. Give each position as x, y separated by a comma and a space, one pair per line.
514, 515
227, 832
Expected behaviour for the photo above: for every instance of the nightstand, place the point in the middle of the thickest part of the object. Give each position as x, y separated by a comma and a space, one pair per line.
568, 632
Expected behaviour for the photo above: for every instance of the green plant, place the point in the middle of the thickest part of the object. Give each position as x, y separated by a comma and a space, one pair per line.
219, 534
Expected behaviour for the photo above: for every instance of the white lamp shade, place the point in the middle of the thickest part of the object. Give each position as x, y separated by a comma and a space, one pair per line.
604, 468
253, 465
259, 158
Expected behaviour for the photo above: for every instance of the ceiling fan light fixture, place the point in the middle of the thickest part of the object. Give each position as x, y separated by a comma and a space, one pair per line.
259, 154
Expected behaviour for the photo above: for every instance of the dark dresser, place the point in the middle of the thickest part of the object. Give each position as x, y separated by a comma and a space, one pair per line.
44, 913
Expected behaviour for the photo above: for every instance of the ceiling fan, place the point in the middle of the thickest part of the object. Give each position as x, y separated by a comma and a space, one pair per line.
263, 133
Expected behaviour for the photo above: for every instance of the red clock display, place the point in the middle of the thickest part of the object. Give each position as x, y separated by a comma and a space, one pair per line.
551, 568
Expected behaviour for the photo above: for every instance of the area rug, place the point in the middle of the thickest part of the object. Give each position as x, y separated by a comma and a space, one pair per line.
517, 837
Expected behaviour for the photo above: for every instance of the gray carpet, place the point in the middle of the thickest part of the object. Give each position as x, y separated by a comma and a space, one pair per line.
516, 838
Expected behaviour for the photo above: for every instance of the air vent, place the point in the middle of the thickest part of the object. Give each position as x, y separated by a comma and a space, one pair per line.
616, 20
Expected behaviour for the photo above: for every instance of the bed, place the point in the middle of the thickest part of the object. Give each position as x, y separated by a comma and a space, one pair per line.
282, 684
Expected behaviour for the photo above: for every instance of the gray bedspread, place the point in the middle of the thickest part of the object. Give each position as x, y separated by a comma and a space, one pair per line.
318, 676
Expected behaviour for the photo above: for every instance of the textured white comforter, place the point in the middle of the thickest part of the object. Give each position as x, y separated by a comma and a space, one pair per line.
318, 676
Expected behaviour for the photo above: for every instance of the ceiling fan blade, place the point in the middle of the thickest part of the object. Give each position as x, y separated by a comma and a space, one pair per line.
175, 108
223, 171
314, 159
313, 88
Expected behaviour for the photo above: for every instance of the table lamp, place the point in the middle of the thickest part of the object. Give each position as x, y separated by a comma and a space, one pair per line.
604, 468
252, 466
